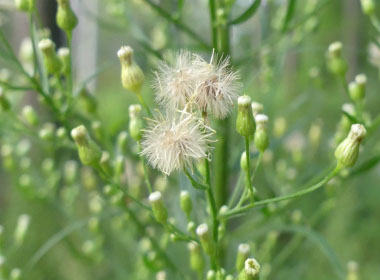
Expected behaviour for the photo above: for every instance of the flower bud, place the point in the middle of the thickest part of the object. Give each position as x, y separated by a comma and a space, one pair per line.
348, 151
119, 165
122, 141
132, 77
64, 56
21, 229
161, 275
159, 209
257, 108
251, 270
61, 133
135, 122
368, 7
352, 273
186, 203
261, 136
30, 115
89, 151
357, 88
245, 123
52, 62
70, 171
47, 132
336, 63
105, 163
191, 227
66, 19
211, 275
205, 238
15, 274
243, 162
5, 105
242, 254
25, 5
88, 101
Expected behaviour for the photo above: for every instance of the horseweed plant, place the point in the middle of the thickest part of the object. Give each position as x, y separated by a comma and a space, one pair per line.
182, 143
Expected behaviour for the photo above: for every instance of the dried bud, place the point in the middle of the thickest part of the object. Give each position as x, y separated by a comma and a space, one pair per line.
205, 238
186, 203
348, 151
132, 76
261, 136
245, 123
197, 262
159, 210
66, 19
357, 88
243, 253
89, 151
52, 62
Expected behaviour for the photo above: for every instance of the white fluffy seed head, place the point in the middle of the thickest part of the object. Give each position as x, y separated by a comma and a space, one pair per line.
175, 141
217, 86
155, 196
252, 267
244, 248
202, 230
175, 82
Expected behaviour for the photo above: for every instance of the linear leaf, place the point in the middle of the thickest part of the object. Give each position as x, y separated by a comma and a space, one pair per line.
247, 14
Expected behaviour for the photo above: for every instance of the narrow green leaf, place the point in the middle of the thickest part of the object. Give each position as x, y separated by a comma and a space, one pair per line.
289, 14
247, 14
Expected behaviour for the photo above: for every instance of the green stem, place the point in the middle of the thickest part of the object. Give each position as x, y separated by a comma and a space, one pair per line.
248, 182
264, 202
194, 182
142, 102
145, 169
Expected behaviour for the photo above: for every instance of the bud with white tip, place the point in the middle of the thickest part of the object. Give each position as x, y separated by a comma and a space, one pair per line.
197, 263
89, 151
336, 63
245, 123
159, 210
347, 151
135, 121
368, 7
132, 77
356, 89
21, 229
186, 203
257, 108
66, 19
261, 136
205, 238
352, 273
243, 253
251, 270
30, 115
15, 274
211, 275
52, 62
64, 56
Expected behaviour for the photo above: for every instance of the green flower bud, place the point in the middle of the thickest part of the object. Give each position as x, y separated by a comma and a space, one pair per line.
191, 227
245, 123
261, 136
348, 151
205, 238
251, 270
357, 88
336, 63
257, 108
70, 171
47, 132
61, 133
30, 115
25, 5
159, 210
119, 165
229, 277
105, 163
52, 62
66, 19
243, 253
135, 122
15, 274
132, 77
368, 7
161, 275
186, 203
122, 141
64, 56
21, 229
89, 151
211, 275
4, 102
352, 273
96, 127
88, 101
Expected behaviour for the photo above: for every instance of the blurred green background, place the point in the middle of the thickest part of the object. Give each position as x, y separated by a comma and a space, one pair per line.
285, 71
